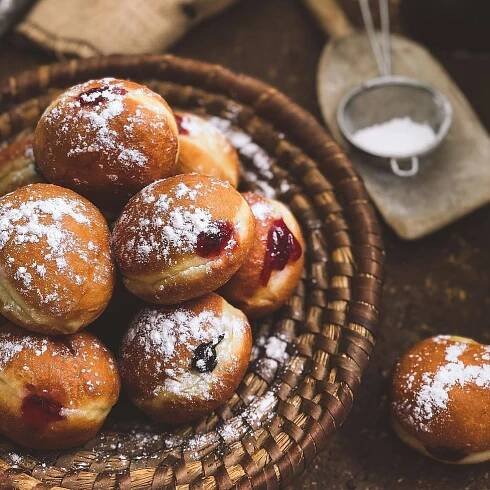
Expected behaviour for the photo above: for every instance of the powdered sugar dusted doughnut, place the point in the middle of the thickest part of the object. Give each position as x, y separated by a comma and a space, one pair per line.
55, 392
56, 269
274, 265
204, 149
441, 399
107, 139
182, 237
179, 363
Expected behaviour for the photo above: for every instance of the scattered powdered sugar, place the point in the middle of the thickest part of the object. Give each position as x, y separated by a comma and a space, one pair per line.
245, 145
182, 190
187, 384
260, 409
24, 276
25, 220
130, 156
275, 348
261, 209
194, 125
433, 395
262, 173
15, 458
454, 351
185, 225
11, 345
275, 356
263, 186
178, 230
144, 443
258, 412
203, 132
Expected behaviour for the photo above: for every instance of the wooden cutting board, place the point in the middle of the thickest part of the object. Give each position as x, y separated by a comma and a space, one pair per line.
453, 180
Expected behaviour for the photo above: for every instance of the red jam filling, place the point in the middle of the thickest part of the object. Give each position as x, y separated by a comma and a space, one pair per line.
212, 243
179, 120
38, 411
95, 95
282, 247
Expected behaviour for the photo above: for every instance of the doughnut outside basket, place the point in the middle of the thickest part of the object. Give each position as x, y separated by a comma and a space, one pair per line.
300, 387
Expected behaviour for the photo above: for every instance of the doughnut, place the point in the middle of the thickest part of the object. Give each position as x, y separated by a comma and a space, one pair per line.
205, 150
106, 139
56, 269
17, 166
441, 399
178, 363
274, 265
181, 238
55, 392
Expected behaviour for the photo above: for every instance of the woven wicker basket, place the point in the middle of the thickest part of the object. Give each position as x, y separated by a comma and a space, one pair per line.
287, 405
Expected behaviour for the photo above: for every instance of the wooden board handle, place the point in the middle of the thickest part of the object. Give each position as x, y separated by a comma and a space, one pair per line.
331, 17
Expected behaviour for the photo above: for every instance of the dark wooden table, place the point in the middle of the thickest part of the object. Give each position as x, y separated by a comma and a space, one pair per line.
440, 284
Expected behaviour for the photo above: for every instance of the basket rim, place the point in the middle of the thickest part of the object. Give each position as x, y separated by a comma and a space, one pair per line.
287, 116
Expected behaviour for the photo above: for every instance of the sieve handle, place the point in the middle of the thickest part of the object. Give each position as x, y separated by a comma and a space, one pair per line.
405, 172
331, 17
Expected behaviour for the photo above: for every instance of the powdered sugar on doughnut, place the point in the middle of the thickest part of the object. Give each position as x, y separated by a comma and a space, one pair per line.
433, 392
94, 113
172, 226
41, 220
165, 335
88, 353
262, 210
195, 125
11, 346
161, 331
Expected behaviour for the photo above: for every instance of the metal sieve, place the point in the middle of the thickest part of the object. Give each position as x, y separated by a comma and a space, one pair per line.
387, 97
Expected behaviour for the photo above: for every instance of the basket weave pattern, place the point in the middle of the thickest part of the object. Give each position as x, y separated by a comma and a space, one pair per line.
328, 324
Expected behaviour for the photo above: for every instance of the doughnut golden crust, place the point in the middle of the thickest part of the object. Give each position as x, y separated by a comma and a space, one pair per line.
17, 166
205, 150
441, 399
55, 392
178, 363
182, 237
56, 270
107, 139
274, 265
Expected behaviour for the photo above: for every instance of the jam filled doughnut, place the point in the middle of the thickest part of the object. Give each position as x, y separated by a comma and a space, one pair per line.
178, 363
182, 237
275, 262
107, 139
55, 392
441, 399
17, 166
56, 269
205, 150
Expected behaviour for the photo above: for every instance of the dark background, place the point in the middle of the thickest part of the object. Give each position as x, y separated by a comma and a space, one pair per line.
440, 284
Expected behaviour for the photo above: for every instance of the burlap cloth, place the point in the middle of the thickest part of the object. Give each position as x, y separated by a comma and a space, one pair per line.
95, 27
